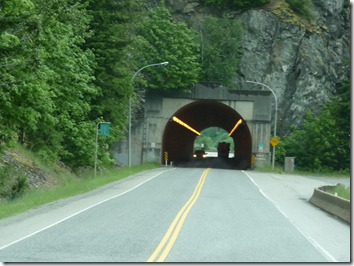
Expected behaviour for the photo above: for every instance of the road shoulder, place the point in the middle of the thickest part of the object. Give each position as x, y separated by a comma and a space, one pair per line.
24, 225
290, 194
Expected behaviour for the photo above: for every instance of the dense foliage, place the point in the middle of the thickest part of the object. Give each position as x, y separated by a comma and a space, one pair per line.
303, 7
67, 65
323, 141
236, 3
220, 40
112, 42
171, 41
46, 77
13, 182
210, 138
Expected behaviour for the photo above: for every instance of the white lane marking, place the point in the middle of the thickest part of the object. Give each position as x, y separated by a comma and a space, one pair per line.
83, 210
317, 246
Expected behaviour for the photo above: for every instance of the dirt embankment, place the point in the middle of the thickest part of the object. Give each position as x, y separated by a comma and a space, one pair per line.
20, 171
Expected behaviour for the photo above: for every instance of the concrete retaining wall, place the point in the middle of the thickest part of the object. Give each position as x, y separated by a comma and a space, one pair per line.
335, 205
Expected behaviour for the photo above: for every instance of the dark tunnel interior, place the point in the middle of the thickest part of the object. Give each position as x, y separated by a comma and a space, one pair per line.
178, 141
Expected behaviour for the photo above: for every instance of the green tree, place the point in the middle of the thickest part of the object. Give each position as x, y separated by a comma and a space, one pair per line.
13, 182
323, 142
69, 80
16, 6
339, 111
248, 3
114, 43
220, 41
302, 7
25, 97
227, 4
168, 40
203, 142
211, 136
46, 77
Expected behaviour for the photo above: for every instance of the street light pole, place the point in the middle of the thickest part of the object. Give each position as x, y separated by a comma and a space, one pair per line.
276, 115
130, 111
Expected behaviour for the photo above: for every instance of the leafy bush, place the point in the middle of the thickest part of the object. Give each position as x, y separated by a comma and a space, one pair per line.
249, 3
211, 137
175, 42
46, 76
13, 182
322, 143
303, 7
236, 3
220, 44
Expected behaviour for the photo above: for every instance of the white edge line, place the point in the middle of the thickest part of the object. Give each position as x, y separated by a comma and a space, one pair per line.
76, 213
317, 246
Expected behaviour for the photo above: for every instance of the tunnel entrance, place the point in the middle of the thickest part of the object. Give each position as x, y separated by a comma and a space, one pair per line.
184, 126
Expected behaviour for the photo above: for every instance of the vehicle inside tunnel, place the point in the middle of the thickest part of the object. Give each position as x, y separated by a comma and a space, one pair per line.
186, 124
210, 139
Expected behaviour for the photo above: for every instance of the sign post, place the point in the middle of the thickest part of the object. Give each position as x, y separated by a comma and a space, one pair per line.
104, 128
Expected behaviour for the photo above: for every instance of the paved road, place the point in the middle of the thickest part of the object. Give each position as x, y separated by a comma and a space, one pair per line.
213, 216
290, 194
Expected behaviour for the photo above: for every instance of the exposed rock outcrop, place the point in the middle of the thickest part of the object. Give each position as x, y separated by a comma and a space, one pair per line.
36, 175
302, 62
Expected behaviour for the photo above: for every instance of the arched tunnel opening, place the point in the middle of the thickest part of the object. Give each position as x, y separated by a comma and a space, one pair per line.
178, 140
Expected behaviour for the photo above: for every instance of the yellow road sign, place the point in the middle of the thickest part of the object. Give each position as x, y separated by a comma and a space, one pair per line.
274, 141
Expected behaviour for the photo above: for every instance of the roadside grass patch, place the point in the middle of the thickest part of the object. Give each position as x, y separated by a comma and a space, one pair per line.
268, 169
279, 169
70, 186
342, 192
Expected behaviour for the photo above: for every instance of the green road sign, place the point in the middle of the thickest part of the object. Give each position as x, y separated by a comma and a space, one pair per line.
104, 129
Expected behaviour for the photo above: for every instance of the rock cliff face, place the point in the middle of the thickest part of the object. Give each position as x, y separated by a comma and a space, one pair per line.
302, 62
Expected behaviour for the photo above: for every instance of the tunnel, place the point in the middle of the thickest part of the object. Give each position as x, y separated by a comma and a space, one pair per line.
178, 141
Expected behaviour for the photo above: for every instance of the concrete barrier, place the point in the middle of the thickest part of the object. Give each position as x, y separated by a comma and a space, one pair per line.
333, 204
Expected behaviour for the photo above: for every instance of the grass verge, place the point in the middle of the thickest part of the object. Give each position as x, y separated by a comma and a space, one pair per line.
280, 170
70, 187
342, 192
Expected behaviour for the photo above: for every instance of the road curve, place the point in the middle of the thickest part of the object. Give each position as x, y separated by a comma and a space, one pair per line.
229, 219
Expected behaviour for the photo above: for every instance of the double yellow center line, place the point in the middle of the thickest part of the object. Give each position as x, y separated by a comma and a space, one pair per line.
167, 242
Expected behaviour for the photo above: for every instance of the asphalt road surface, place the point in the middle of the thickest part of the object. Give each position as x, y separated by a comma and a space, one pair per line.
181, 215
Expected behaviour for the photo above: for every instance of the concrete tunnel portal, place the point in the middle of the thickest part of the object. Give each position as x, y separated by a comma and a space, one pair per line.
178, 141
